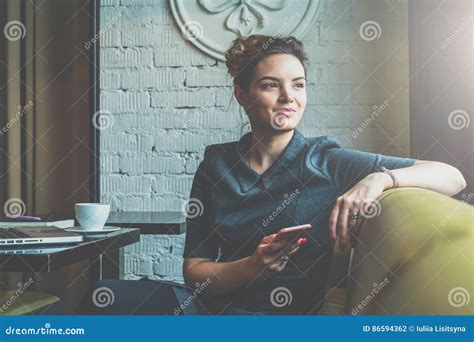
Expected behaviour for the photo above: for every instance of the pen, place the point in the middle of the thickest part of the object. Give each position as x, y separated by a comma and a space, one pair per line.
27, 218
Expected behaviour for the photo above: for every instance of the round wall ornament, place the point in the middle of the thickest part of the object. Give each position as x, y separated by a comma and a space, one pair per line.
211, 25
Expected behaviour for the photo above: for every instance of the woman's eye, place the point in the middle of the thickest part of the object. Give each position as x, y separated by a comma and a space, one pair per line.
269, 85
300, 85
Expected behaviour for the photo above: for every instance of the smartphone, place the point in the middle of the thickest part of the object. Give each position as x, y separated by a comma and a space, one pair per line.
291, 233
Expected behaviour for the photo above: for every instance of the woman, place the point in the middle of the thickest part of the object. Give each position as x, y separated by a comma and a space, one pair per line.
272, 178
241, 184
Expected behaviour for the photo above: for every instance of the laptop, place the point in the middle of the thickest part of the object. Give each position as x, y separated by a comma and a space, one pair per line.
32, 250
17, 235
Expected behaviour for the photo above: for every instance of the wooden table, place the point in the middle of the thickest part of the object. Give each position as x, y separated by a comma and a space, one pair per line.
49, 258
105, 252
87, 261
157, 222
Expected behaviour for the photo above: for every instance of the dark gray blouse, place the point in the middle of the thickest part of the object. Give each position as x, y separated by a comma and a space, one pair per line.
240, 207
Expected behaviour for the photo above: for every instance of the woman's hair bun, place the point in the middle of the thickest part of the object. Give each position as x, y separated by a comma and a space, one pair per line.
241, 51
244, 54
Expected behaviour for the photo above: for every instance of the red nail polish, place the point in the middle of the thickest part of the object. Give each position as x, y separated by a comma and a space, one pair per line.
302, 241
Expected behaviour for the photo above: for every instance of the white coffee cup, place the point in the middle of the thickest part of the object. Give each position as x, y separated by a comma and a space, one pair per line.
92, 216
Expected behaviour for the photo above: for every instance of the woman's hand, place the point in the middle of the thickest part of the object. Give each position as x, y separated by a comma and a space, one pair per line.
268, 254
360, 199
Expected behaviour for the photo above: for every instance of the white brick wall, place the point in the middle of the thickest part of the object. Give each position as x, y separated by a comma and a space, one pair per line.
168, 101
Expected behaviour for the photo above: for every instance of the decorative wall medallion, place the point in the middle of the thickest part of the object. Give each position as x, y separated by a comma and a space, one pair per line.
245, 15
211, 25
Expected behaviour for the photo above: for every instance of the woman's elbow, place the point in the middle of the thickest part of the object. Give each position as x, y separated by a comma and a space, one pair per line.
459, 181
463, 183
186, 277
189, 271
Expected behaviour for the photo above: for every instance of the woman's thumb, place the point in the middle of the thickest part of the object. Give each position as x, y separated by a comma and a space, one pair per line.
268, 238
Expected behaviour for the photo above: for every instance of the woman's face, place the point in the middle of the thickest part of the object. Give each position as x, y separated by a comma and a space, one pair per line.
276, 97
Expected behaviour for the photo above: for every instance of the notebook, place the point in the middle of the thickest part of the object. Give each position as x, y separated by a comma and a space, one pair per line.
4, 222
34, 235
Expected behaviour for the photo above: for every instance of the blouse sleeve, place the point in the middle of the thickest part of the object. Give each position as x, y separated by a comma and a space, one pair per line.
346, 167
200, 240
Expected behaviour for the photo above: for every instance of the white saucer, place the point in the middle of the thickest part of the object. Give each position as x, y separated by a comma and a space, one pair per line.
105, 230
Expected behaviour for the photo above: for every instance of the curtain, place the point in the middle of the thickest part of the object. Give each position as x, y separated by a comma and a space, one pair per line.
44, 120
442, 84
44, 133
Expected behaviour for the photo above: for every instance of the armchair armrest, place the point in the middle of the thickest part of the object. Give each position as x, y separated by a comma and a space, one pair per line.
414, 258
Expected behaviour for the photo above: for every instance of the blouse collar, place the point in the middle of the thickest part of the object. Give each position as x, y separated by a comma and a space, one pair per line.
248, 178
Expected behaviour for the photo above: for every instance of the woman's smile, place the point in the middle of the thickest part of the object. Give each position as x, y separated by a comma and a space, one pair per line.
285, 111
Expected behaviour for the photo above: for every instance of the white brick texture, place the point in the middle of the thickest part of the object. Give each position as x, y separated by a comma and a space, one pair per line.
168, 101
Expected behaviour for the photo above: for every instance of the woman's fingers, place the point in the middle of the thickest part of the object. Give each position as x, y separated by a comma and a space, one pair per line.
273, 247
356, 228
278, 262
285, 252
278, 266
268, 238
342, 225
277, 253
333, 222
291, 249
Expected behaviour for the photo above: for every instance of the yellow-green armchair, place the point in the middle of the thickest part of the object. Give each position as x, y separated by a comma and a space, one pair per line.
416, 257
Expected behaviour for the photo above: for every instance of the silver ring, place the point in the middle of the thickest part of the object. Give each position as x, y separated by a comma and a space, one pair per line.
353, 216
284, 258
